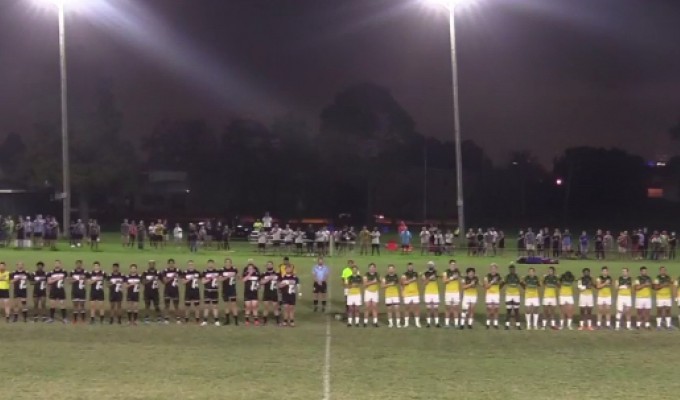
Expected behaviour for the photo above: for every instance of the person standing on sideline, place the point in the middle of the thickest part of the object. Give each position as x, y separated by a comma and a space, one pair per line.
405, 238
424, 241
375, 241
320, 273
364, 240
125, 233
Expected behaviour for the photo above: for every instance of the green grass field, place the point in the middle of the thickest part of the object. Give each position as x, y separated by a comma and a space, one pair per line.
191, 362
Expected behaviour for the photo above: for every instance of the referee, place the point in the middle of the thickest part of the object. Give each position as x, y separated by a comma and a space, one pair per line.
320, 272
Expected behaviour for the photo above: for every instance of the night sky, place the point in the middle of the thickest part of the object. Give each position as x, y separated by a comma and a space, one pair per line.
540, 75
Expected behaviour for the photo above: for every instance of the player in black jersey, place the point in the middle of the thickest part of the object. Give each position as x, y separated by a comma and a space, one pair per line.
229, 276
116, 281
270, 293
133, 283
20, 278
192, 292
211, 290
57, 292
170, 276
78, 291
251, 286
96, 279
290, 287
39, 281
151, 279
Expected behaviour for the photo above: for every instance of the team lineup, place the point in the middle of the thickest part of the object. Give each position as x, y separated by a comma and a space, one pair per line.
280, 289
555, 294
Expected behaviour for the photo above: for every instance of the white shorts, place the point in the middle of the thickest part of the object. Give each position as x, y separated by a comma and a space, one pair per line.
431, 299
532, 302
566, 300
512, 299
663, 302
623, 301
346, 292
549, 301
412, 300
371, 296
392, 301
452, 299
531, 247
604, 301
643, 304
354, 300
493, 298
468, 300
585, 301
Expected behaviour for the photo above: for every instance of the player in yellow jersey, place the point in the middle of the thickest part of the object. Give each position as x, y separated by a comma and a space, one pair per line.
411, 293
513, 285
4, 290
470, 283
492, 286
604, 285
567, 299
551, 283
390, 283
431, 281
371, 296
532, 302
451, 278
585, 300
624, 300
663, 286
353, 284
643, 298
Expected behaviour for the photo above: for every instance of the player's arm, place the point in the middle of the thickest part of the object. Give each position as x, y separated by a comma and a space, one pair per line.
384, 284
600, 283
487, 284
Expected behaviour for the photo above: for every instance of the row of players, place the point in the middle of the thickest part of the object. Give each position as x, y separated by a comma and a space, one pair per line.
551, 291
279, 290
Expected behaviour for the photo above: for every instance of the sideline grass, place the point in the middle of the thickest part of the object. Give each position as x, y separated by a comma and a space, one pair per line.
160, 362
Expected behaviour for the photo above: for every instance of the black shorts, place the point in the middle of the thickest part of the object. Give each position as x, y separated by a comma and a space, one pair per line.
250, 296
260, 245
270, 295
211, 297
37, 234
229, 295
94, 238
321, 288
97, 295
38, 294
192, 296
133, 297
20, 294
78, 295
115, 297
58, 294
171, 294
289, 299
4, 293
151, 295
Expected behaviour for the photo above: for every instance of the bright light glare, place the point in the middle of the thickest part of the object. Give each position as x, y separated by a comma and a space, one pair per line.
448, 3
66, 4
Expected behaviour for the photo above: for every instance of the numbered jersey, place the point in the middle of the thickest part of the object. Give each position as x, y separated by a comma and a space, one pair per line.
151, 281
116, 279
229, 284
134, 285
192, 279
251, 283
58, 277
270, 282
170, 278
79, 276
39, 280
20, 279
211, 275
97, 279
289, 285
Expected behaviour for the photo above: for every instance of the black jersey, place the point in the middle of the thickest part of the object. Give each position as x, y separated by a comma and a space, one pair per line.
193, 279
229, 284
289, 284
251, 282
58, 277
97, 279
270, 281
116, 280
150, 277
78, 275
211, 275
20, 282
170, 278
134, 285
39, 280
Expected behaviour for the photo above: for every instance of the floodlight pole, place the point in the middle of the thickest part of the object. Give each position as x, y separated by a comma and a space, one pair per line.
456, 117
66, 176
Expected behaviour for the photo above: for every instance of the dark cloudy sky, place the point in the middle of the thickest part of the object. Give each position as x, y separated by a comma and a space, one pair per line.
535, 74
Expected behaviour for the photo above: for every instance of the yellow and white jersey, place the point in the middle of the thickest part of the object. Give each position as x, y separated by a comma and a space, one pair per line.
431, 282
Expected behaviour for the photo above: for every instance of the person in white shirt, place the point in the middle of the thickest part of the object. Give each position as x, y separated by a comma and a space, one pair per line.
288, 237
267, 221
448, 242
375, 241
276, 238
299, 238
262, 242
177, 234
424, 241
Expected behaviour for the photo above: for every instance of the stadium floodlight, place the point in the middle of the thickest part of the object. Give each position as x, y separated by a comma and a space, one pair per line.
448, 3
